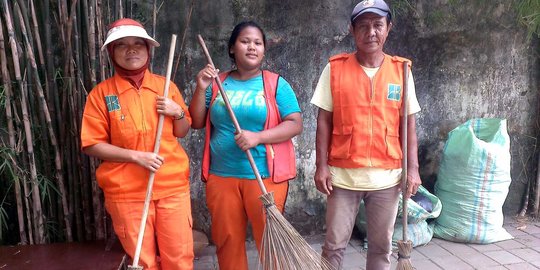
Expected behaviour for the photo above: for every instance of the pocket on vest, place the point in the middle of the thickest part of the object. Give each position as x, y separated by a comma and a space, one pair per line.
393, 148
341, 142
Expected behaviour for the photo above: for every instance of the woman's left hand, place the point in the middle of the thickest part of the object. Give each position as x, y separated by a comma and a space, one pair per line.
247, 139
167, 106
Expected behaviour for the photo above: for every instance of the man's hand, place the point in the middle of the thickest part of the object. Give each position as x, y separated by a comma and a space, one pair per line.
323, 179
413, 182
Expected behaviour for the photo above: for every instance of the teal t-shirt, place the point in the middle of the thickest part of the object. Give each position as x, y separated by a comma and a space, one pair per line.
247, 101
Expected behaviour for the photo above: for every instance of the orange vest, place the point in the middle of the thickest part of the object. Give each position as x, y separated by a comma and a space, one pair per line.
280, 156
366, 114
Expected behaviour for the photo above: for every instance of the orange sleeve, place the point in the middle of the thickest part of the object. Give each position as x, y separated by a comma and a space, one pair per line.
177, 97
95, 121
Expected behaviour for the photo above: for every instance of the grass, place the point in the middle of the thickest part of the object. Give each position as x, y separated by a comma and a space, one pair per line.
529, 15
5, 169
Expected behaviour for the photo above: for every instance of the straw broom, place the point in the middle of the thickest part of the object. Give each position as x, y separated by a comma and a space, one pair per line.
405, 245
282, 247
142, 227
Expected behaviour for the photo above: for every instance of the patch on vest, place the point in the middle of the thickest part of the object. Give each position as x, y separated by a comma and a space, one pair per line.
394, 92
112, 103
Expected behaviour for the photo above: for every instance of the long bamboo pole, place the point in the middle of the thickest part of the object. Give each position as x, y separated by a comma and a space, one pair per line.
233, 118
142, 227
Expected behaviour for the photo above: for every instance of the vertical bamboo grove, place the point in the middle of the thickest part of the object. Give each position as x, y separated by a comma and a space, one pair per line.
50, 59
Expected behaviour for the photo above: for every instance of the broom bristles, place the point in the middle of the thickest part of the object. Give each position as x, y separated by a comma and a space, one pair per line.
404, 255
282, 247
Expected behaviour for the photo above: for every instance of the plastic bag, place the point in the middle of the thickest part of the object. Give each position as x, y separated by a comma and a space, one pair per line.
473, 182
418, 229
417, 213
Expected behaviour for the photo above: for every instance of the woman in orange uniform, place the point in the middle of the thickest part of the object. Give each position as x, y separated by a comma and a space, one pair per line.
119, 127
268, 113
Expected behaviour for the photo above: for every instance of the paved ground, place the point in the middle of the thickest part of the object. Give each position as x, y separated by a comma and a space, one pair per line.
522, 252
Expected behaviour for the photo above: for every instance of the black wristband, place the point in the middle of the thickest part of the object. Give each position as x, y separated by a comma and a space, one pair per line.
179, 116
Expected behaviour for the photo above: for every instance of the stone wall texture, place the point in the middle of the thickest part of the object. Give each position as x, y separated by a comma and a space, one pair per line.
471, 59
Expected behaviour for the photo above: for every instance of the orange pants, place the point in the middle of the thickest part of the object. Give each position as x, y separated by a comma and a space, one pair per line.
232, 202
168, 228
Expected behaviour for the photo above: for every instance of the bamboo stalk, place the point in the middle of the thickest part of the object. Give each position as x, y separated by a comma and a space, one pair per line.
120, 9
79, 224
36, 120
54, 99
12, 43
45, 110
68, 45
186, 26
36, 33
29, 209
100, 35
536, 206
6, 81
62, 19
73, 98
38, 43
88, 178
37, 213
70, 78
43, 151
99, 212
154, 19
92, 41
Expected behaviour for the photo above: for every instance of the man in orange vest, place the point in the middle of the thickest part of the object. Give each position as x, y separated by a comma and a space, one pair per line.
358, 144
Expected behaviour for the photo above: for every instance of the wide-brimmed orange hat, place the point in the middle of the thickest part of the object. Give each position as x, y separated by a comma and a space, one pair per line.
127, 28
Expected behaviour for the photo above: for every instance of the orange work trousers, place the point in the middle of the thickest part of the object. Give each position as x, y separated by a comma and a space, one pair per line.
232, 202
168, 229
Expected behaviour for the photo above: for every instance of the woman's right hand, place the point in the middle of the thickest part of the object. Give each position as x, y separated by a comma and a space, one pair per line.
206, 76
197, 108
149, 160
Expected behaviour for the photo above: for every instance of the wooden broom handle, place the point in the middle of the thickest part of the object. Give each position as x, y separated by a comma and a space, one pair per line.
233, 117
150, 186
404, 150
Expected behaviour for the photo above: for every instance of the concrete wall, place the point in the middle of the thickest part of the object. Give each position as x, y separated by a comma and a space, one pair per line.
470, 59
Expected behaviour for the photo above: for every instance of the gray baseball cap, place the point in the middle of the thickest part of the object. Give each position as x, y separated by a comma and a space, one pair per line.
378, 7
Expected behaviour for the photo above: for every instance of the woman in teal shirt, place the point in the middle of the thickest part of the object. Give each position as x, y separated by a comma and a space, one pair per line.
232, 193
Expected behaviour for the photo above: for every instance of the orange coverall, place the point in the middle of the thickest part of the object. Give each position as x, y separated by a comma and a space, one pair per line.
117, 113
